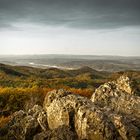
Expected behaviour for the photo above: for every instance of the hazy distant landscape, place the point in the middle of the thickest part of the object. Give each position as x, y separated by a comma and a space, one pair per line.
100, 63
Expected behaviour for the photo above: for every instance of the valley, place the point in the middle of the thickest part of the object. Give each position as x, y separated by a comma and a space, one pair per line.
100, 63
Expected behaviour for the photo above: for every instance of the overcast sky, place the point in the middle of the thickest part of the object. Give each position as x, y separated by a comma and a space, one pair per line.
98, 27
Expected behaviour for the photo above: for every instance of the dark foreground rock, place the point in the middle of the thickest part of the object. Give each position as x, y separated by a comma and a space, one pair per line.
61, 133
24, 125
113, 113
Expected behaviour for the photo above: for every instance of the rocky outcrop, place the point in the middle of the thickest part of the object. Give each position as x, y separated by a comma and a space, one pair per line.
113, 113
123, 104
125, 84
91, 123
32, 125
24, 125
119, 96
125, 126
80, 114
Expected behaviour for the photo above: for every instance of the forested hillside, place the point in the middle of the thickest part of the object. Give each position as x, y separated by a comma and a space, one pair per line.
22, 87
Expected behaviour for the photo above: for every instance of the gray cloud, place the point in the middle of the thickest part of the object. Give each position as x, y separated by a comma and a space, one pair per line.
72, 13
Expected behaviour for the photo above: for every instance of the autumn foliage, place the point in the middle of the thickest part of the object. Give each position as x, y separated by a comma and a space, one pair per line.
23, 87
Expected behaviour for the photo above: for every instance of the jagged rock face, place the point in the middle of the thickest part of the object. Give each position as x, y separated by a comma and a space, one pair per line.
24, 125
91, 123
32, 125
124, 126
125, 84
80, 114
63, 107
119, 96
119, 102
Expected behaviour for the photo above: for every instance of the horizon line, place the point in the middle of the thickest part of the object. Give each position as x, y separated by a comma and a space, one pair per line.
71, 54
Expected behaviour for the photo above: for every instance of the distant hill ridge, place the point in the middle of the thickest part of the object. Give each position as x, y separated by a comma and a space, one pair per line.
85, 75
24, 70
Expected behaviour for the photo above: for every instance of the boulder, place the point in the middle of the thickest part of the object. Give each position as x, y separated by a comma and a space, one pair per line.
24, 125
55, 94
92, 124
63, 106
119, 96
125, 84
23, 129
119, 102
80, 114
